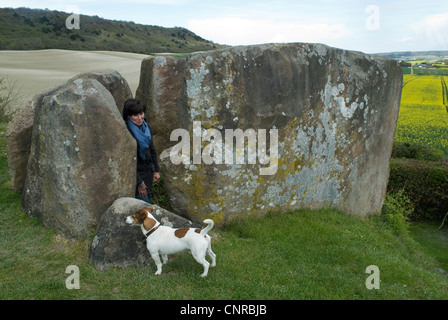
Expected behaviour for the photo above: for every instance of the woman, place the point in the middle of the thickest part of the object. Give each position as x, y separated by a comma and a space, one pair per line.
147, 163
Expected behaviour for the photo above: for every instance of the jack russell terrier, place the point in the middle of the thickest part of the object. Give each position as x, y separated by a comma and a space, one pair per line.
166, 240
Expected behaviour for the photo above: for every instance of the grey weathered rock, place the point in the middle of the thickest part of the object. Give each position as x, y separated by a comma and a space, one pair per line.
334, 112
113, 82
160, 87
82, 157
19, 130
117, 244
18, 143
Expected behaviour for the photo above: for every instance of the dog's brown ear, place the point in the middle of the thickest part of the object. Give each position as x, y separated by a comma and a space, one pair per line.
149, 210
140, 216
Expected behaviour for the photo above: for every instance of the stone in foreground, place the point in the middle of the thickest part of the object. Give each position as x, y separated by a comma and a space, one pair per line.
118, 244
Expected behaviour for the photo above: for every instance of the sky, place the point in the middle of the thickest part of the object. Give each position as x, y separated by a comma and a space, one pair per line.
370, 26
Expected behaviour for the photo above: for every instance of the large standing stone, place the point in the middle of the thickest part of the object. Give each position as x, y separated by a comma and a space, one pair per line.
118, 244
19, 129
82, 157
334, 113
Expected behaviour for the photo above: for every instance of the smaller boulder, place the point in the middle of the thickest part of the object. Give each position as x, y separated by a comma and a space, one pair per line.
113, 82
18, 143
118, 244
20, 128
82, 158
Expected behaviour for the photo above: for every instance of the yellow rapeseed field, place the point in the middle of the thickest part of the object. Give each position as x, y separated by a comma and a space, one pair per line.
423, 116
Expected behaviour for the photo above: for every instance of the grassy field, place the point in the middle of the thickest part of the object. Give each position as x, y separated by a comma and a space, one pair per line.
424, 71
423, 116
299, 255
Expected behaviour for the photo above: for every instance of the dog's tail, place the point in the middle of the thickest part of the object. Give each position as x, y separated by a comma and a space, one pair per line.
209, 227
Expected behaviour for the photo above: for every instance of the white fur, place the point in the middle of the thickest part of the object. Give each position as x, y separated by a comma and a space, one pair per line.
163, 241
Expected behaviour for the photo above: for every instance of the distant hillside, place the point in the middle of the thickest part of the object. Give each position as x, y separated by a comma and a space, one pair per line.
415, 55
34, 29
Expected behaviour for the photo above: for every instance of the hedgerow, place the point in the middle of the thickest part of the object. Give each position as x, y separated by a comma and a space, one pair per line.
425, 183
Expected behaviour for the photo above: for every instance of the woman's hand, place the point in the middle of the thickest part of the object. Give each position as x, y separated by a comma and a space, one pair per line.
142, 190
156, 177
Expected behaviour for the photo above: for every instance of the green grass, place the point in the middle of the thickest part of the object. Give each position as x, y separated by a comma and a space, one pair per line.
433, 240
299, 255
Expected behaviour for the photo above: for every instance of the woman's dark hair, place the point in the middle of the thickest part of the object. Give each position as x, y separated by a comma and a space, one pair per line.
133, 107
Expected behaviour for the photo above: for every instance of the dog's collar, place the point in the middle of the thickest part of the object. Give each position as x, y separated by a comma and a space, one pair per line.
147, 234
